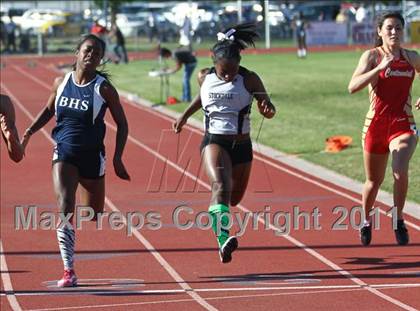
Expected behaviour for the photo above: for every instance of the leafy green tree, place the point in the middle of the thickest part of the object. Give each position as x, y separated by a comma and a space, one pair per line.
114, 5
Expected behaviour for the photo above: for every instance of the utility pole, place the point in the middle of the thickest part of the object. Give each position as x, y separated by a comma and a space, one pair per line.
105, 12
404, 12
267, 24
239, 7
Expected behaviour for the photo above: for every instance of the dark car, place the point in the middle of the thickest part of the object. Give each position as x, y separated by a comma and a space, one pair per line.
319, 10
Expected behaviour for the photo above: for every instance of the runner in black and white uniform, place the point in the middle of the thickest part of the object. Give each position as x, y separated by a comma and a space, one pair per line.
226, 94
227, 106
79, 101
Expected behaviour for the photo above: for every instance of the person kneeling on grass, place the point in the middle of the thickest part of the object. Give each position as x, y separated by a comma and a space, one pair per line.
182, 56
226, 94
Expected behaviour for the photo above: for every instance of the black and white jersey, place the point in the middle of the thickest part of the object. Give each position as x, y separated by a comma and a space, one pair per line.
226, 105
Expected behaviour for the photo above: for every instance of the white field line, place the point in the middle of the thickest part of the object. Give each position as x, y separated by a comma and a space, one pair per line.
76, 291
7, 282
259, 295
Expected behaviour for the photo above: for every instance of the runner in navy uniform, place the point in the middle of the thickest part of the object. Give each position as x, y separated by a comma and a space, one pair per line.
79, 102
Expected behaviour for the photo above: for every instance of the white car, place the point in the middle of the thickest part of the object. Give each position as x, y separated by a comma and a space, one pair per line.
413, 15
131, 24
34, 19
15, 13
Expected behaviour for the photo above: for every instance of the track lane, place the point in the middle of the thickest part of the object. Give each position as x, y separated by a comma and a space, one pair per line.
291, 183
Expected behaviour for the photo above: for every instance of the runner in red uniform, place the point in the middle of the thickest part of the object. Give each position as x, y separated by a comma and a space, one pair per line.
390, 112
388, 70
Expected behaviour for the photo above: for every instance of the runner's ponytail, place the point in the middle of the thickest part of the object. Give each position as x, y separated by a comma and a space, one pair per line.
233, 40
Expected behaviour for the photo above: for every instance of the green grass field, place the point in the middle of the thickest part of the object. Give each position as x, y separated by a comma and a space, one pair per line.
312, 104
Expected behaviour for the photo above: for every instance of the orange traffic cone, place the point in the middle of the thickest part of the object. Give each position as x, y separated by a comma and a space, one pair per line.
337, 143
171, 100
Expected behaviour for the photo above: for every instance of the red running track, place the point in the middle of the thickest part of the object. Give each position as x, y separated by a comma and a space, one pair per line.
173, 269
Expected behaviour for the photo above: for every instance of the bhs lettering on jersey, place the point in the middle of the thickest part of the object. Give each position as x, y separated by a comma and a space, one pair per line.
74, 103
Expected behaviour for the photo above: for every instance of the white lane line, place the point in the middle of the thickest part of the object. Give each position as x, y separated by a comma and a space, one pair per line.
76, 291
7, 282
273, 163
296, 242
128, 304
188, 289
259, 295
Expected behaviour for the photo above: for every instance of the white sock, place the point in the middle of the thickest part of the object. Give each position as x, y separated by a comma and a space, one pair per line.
304, 52
66, 238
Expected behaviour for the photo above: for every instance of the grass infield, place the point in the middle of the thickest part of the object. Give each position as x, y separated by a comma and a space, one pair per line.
312, 104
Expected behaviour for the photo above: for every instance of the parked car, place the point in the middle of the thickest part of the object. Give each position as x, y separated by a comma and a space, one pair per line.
51, 22
69, 24
318, 10
33, 19
132, 19
167, 31
412, 15
15, 14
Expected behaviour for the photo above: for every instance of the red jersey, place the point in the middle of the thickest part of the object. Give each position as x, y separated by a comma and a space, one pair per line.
98, 30
390, 114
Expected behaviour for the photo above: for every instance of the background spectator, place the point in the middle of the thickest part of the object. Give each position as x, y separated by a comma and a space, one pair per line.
11, 36
119, 47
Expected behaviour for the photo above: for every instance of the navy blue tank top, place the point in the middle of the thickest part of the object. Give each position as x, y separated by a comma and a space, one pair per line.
80, 111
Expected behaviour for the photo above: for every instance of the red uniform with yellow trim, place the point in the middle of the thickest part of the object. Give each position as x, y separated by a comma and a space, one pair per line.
390, 114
